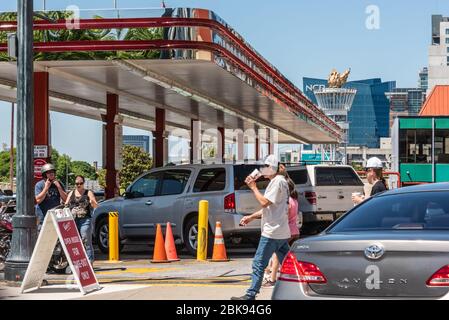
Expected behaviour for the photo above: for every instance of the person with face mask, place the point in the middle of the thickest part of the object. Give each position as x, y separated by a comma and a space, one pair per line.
374, 175
49, 192
274, 224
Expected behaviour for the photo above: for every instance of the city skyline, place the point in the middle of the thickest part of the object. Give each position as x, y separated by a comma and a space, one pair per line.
317, 49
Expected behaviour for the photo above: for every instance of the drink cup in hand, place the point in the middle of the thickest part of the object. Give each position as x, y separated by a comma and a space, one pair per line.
255, 174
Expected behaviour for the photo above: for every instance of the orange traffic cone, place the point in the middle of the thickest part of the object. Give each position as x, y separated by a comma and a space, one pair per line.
159, 255
219, 253
170, 247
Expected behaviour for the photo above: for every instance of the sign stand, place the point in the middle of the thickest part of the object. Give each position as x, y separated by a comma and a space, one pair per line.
59, 224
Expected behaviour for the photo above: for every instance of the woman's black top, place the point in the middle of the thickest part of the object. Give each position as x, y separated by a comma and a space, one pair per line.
378, 188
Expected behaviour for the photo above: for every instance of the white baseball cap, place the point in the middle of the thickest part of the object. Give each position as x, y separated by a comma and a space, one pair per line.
375, 163
272, 161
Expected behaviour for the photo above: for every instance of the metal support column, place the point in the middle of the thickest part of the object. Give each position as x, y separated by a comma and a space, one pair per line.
160, 153
112, 105
24, 221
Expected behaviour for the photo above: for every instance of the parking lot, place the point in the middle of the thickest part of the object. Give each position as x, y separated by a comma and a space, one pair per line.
135, 277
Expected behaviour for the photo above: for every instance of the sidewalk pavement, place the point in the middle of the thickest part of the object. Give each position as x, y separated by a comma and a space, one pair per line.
140, 280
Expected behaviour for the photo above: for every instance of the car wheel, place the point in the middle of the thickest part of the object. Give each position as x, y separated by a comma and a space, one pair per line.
191, 237
102, 235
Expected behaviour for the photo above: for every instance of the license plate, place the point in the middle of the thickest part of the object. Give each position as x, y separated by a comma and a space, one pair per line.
325, 217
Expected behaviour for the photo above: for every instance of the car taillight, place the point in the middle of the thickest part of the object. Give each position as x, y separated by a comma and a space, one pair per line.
293, 270
311, 197
440, 278
229, 203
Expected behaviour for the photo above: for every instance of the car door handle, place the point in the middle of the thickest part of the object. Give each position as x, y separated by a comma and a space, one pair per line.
149, 203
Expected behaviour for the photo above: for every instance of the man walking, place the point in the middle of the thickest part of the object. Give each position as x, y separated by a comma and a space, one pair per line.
274, 224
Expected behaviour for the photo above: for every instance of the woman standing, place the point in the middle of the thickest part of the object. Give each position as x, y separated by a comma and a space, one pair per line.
81, 203
374, 175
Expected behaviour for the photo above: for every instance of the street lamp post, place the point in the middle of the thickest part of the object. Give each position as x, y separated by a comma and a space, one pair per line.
24, 221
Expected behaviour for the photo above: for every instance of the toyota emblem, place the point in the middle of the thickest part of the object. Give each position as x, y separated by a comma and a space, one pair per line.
374, 252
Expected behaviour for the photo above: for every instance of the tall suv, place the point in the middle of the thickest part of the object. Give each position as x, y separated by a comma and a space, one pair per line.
172, 194
325, 193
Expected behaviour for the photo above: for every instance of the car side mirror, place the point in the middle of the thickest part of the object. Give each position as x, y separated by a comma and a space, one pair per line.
127, 195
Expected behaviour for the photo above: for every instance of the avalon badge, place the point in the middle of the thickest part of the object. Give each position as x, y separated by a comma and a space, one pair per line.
374, 252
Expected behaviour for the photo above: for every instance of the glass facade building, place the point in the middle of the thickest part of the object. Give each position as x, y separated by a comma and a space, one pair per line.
369, 118
138, 141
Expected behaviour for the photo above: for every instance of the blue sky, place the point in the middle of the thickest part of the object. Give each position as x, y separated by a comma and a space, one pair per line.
301, 38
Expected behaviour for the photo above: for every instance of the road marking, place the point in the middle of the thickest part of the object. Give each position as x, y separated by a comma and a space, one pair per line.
136, 270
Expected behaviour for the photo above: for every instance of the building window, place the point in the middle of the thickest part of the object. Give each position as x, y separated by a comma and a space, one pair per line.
442, 146
447, 31
447, 58
447, 40
415, 146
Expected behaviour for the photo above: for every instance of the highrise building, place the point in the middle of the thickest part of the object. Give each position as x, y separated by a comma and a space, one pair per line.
439, 53
138, 141
369, 117
405, 102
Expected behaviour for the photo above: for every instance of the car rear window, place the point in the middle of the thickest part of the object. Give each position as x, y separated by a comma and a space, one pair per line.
334, 176
208, 180
410, 211
299, 176
243, 171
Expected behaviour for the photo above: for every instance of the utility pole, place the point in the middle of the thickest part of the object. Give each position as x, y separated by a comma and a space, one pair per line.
24, 221
11, 157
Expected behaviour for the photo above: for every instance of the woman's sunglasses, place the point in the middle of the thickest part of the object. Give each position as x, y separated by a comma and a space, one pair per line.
79, 183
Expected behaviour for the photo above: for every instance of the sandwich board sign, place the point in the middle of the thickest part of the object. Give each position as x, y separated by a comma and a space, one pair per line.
59, 224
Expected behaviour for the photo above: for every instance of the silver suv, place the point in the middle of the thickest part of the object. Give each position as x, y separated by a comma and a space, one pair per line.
172, 194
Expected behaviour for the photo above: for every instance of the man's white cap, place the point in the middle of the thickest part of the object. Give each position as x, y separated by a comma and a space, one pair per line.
272, 161
375, 163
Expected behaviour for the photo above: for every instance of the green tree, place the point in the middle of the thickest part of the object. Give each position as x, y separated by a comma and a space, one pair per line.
4, 165
135, 162
83, 168
63, 166
102, 178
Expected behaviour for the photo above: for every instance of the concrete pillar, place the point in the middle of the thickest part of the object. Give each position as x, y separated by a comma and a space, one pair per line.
240, 146
221, 144
270, 142
160, 149
112, 110
195, 141
41, 114
257, 148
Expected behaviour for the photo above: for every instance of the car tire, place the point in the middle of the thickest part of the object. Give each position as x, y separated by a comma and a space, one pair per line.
190, 230
102, 235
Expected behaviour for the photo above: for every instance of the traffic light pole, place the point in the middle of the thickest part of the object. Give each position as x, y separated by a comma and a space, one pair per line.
24, 221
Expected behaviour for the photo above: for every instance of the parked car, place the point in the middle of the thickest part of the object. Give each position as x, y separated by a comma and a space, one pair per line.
171, 194
394, 245
325, 193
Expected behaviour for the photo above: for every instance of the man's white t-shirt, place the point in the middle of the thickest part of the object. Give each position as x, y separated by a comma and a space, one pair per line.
275, 217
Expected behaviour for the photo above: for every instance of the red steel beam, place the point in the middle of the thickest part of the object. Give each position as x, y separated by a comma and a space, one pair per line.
173, 22
117, 45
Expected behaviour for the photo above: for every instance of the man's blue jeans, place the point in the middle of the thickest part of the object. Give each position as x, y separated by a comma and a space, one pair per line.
84, 226
263, 255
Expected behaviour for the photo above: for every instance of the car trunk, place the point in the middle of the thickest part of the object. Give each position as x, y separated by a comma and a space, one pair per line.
402, 271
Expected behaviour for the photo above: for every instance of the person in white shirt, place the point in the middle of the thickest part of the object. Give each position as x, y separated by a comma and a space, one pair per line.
274, 224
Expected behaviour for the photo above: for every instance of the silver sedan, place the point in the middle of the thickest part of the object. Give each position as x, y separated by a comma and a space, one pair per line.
392, 246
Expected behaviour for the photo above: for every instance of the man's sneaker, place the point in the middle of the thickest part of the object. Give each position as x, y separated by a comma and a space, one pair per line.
245, 297
268, 284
